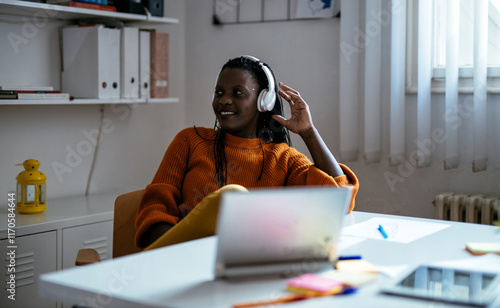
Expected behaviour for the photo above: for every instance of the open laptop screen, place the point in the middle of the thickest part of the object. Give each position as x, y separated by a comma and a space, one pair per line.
278, 230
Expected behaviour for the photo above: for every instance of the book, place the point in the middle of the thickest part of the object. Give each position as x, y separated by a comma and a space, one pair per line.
13, 94
8, 96
34, 91
27, 88
92, 6
43, 96
102, 2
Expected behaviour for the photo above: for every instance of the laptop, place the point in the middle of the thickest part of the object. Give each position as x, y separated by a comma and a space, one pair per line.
279, 231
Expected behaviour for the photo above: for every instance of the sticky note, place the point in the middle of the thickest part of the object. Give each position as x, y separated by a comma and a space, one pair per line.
482, 248
314, 284
359, 266
351, 279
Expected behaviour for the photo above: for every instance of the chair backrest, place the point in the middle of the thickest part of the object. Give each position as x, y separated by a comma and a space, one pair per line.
126, 206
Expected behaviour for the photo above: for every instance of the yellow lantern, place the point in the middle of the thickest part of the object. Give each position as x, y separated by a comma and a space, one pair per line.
31, 188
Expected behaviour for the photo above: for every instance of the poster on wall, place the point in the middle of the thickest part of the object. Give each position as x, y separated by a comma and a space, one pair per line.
317, 8
234, 11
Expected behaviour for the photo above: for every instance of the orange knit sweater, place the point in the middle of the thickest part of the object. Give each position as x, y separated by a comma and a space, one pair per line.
186, 174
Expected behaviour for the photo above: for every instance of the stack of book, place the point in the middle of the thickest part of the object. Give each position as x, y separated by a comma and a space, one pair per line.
103, 5
32, 93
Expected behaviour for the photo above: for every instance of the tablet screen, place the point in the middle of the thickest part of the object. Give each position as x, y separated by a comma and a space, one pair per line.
448, 285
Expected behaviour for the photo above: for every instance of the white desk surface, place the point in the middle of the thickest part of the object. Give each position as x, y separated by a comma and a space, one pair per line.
182, 275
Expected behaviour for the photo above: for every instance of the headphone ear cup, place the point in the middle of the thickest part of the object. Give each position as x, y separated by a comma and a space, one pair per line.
265, 101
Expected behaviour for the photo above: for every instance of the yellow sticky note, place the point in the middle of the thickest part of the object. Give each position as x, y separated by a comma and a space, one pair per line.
350, 278
358, 266
483, 248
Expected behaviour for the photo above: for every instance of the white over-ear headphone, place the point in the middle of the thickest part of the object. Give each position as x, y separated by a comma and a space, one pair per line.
267, 97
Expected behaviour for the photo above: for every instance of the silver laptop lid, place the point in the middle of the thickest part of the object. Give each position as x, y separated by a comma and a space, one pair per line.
278, 230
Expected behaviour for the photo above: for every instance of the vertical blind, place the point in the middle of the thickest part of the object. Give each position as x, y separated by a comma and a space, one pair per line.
451, 85
480, 79
348, 92
424, 80
369, 102
397, 98
372, 76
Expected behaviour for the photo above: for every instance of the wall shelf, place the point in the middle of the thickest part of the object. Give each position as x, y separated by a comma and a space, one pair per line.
87, 101
60, 12
11, 9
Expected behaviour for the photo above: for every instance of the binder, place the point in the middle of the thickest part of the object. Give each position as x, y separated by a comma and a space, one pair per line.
129, 62
144, 63
159, 64
91, 61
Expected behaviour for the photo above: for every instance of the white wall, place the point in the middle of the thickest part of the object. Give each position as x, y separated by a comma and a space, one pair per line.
134, 141
304, 54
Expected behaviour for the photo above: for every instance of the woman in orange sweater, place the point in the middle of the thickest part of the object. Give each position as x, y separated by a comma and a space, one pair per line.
249, 146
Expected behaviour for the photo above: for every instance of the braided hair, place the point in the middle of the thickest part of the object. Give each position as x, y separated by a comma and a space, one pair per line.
268, 129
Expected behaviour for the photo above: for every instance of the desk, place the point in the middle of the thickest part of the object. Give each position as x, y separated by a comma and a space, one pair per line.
182, 275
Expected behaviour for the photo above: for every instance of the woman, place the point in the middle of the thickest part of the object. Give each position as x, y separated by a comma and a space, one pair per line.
249, 146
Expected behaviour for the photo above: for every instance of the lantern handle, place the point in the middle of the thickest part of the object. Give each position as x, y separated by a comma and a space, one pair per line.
30, 164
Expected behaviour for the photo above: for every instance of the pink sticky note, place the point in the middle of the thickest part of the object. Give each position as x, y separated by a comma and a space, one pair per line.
314, 282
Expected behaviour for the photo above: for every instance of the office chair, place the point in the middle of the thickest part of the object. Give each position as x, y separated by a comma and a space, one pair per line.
126, 206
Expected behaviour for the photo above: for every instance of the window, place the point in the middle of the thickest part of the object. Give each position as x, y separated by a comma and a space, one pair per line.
438, 19
466, 38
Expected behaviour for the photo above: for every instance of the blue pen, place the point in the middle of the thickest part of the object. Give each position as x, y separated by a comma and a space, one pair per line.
349, 290
349, 258
381, 229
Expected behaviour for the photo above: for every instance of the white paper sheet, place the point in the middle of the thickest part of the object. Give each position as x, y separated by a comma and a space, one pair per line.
346, 241
398, 230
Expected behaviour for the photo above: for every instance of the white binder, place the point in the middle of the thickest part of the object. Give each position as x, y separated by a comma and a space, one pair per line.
91, 62
130, 62
145, 63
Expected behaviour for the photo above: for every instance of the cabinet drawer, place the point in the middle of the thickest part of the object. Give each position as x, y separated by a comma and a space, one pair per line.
98, 236
34, 255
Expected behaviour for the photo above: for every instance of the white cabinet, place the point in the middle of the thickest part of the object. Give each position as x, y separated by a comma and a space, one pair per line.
31, 256
98, 236
50, 241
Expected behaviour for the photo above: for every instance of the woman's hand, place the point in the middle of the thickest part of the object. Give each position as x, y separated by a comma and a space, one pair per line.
300, 121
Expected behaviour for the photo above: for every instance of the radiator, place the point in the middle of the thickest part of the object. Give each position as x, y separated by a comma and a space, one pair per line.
467, 208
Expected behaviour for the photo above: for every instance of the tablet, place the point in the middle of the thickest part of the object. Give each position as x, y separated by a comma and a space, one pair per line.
449, 285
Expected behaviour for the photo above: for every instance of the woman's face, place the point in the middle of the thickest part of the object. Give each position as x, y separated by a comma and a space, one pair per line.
235, 102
